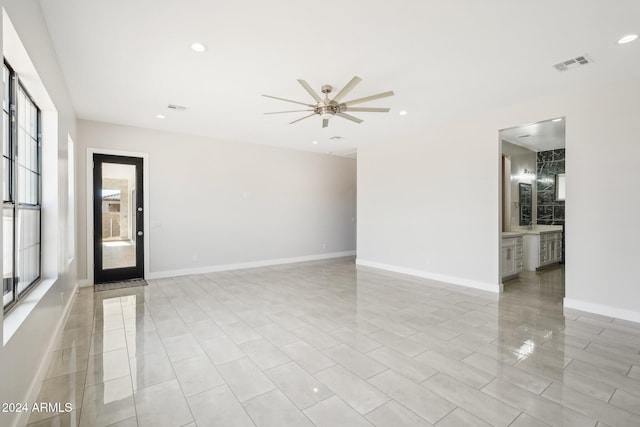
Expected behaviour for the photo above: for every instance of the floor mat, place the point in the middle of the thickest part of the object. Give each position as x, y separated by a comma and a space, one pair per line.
119, 285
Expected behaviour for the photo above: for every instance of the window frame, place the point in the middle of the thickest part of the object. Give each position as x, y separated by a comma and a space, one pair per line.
15, 86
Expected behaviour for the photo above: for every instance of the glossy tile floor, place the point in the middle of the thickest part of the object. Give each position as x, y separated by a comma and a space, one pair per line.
325, 344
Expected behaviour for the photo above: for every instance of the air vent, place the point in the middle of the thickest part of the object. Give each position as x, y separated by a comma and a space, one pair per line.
336, 137
525, 136
573, 63
176, 107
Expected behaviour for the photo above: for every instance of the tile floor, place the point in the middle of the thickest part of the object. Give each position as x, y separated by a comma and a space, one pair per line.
325, 344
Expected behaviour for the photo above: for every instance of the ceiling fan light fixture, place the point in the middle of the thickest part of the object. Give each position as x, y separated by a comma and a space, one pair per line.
325, 111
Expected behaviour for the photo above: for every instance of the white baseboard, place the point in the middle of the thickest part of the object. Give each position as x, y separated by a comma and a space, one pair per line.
250, 264
604, 310
36, 384
459, 281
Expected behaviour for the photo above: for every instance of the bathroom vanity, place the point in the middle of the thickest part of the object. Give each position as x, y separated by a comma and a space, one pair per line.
511, 254
542, 248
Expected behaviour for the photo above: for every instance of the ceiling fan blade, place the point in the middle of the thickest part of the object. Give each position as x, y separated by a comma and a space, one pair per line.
325, 123
288, 100
308, 88
302, 118
368, 109
290, 111
349, 117
348, 88
369, 98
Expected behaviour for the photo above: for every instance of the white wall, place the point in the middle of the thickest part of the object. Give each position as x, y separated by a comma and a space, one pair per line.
429, 203
24, 351
221, 203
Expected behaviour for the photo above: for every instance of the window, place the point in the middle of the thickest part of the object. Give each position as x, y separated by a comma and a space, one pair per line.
71, 201
561, 186
21, 189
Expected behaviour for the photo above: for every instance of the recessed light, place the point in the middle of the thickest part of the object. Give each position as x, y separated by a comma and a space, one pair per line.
403, 113
198, 47
160, 116
628, 38
314, 142
557, 120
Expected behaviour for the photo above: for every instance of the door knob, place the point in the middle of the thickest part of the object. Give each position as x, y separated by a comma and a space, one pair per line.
139, 233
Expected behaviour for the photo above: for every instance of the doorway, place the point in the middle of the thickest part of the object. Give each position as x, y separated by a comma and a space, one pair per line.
118, 220
533, 205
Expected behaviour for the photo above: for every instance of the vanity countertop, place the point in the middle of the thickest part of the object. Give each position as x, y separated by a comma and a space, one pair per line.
537, 229
512, 233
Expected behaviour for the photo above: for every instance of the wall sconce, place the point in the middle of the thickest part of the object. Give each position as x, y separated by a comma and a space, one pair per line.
526, 175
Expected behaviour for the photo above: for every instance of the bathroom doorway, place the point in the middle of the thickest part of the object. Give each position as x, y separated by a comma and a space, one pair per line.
533, 206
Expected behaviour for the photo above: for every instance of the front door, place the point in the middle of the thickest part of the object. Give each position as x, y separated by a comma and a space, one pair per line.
117, 218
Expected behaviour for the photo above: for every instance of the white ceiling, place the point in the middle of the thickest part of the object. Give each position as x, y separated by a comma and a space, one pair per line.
542, 136
126, 60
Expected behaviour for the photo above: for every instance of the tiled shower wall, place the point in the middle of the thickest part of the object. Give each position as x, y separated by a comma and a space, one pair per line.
548, 165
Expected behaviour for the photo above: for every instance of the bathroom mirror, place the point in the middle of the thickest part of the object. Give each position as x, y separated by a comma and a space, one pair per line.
525, 199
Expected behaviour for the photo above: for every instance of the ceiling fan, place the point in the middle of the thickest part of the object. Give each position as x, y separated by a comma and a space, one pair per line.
327, 108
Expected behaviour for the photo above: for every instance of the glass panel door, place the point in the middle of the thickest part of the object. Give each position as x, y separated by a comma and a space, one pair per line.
118, 244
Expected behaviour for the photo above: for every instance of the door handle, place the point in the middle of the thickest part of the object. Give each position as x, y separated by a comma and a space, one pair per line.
140, 233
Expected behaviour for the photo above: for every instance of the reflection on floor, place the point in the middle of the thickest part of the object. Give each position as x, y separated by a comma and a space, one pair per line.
118, 254
545, 287
324, 344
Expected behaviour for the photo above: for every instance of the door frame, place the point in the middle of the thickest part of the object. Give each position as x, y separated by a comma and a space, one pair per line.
89, 200
135, 271
501, 209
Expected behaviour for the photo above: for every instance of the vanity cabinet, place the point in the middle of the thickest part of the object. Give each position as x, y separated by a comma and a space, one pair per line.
542, 250
511, 253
